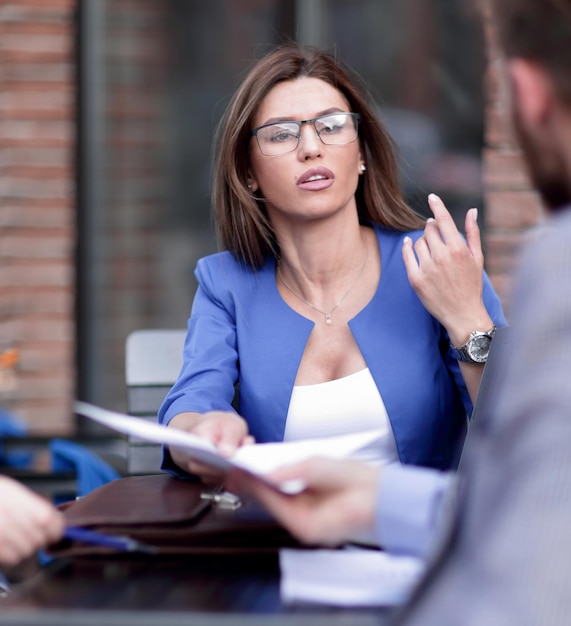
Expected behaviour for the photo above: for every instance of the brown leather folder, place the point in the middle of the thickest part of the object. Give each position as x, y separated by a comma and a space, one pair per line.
171, 515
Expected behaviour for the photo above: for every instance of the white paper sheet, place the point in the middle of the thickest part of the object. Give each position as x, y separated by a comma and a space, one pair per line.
259, 459
350, 577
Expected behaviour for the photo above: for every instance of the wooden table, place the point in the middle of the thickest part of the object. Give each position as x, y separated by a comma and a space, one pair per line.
192, 590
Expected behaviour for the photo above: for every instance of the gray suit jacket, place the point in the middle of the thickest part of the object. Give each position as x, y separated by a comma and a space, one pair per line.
507, 556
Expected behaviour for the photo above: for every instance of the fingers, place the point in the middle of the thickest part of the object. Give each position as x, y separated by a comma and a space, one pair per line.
248, 440
443, 224
440, 212
49, 522
410, 261
338, 502
446, 271
443, 227
440, 230
296, 513
473, 236
27, 522
225, 429
442, 237
232, 433
55, 528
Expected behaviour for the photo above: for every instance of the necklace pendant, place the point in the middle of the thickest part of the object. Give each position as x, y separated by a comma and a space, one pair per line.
328, 319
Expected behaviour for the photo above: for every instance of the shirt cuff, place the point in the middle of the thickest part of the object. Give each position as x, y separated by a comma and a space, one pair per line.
410, 506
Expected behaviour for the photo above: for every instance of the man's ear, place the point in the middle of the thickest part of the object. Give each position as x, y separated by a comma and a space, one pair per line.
531, 90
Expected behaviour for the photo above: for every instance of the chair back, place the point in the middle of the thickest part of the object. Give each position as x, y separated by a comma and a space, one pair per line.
153, 359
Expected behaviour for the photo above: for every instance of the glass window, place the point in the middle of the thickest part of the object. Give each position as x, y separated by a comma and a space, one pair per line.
155, 78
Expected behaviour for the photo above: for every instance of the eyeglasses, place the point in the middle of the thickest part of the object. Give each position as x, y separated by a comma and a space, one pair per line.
334, 129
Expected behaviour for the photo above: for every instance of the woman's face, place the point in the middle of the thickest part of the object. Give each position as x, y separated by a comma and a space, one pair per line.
314, 180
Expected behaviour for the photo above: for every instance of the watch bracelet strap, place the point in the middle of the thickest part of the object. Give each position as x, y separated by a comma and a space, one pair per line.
461, 353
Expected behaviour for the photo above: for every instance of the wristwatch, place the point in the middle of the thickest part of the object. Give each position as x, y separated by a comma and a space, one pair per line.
477, 348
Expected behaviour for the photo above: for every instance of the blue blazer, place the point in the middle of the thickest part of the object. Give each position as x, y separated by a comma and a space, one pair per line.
241, 330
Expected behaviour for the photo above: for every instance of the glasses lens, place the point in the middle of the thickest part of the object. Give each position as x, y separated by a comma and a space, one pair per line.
337, 129
281, 137
278, 138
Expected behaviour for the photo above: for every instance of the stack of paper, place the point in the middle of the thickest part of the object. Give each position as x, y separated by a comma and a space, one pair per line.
350, 577
258, 459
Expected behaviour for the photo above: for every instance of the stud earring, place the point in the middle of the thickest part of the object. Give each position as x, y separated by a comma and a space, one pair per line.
250, 186
362, 168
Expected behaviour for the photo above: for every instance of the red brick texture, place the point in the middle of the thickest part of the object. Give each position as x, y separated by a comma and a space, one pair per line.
512, 205
37, 200
37, 208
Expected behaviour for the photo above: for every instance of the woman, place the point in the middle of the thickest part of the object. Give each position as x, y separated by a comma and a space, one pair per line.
310, 308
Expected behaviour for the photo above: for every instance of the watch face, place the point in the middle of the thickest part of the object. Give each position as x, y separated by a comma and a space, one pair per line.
479, 347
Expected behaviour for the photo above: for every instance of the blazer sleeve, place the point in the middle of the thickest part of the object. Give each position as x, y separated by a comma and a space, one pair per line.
494, 307
210, 358
412, 506
511, 542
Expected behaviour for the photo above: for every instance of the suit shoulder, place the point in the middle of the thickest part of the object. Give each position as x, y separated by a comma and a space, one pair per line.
395, 237
221, 264
222, 273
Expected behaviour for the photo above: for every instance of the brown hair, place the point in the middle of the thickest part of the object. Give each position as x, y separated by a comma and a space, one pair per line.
537, 30
243, 224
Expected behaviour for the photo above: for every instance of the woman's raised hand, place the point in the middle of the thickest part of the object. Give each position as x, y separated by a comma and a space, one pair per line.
446, 272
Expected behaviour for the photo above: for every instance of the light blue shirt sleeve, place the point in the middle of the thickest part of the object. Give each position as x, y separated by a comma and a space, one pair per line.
411, 504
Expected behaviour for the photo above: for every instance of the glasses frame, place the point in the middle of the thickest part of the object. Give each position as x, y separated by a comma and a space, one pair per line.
299, 123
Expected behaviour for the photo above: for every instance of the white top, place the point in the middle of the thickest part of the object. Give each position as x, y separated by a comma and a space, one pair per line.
342, 406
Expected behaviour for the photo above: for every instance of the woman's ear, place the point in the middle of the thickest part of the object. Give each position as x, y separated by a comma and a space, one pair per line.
252, 184
362, 164
531, 90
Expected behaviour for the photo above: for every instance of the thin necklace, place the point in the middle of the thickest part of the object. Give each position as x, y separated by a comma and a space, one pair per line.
328, 318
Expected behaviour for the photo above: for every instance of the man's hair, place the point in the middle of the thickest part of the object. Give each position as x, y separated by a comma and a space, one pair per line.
537, 30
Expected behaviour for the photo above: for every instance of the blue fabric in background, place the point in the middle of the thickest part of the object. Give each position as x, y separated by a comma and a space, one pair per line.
12, 426
66, 456
91, 471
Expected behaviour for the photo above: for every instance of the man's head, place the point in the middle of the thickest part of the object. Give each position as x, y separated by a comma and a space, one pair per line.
535, 38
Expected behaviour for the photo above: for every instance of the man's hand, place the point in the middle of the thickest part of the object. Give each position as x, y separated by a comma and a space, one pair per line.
337, 505
28, 522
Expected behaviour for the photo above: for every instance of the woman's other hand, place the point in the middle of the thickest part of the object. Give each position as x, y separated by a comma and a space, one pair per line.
226, 430
447, 272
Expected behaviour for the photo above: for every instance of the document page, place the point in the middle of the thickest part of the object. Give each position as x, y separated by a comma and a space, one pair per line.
258, 459
347, 577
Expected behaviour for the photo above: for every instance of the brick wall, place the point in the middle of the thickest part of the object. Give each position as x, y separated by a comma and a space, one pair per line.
136, 193
513, 208
37, 231
37, 203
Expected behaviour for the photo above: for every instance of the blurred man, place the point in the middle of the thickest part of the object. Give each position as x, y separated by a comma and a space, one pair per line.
499, 536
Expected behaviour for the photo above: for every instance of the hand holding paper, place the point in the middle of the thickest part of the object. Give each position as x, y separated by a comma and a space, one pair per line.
336, 505
258, 459
226, 430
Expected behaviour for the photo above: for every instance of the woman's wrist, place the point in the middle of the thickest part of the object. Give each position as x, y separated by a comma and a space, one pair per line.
185, 421
459, 333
